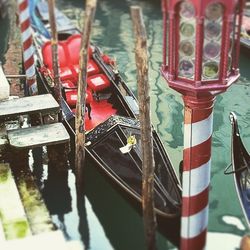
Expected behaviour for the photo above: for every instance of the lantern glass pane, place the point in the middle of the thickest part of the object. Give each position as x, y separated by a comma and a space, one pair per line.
213, 30
186, 46
187, 29
212, 46
211, 50
186, 68
211, 70
187, 10
214, 11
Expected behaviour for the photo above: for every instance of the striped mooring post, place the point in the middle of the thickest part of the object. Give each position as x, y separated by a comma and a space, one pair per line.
201, 42
28, 49
198, 128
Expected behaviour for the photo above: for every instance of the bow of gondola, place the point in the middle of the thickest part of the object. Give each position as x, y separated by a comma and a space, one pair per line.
240, 168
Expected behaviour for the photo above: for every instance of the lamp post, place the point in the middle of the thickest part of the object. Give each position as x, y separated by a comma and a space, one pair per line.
200, 60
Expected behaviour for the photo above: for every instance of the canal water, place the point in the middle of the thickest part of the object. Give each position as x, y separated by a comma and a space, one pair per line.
104, 219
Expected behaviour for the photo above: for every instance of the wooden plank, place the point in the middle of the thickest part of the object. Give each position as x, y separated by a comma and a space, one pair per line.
13, 217
37, 136
44, 104
33, 203
42, 241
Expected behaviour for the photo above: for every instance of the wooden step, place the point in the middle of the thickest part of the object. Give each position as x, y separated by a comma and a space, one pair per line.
35, 208
13, 217
44, 104
37, 136
50, 240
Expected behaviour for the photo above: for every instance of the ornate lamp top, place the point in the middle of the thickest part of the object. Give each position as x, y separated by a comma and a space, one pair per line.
201, 44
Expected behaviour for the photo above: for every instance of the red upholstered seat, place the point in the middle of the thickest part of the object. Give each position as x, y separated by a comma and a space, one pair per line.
91, 70
68, 56
98, 82
73, 45
71, 97
65, 71
68, 84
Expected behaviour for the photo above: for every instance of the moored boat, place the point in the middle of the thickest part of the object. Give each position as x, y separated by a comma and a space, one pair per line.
240, 168
245, 29
113, 139
245, 33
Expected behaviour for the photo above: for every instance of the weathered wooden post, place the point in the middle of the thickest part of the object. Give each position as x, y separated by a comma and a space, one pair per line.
56, 153
146, 129
202, 62
81, 94
54, 46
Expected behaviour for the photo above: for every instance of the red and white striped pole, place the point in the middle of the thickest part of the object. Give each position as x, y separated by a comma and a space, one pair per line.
28, 49
198, 127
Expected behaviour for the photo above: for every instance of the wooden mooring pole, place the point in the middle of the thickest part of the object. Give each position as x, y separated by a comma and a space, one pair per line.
54, 46
81, 94
141, 58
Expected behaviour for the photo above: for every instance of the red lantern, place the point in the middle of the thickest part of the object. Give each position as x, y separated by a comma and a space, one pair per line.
203, 45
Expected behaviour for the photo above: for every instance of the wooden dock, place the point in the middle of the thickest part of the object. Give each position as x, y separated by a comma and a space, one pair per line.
43, 106
25, 222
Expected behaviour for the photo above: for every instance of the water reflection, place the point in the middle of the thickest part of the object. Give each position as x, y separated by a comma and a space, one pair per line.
56, 192
113, 33
122, 224
83, 222
105, 220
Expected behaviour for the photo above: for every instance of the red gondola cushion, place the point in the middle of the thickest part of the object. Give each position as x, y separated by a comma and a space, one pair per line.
64, 70
71, 97
73, 44
98, 82
68, 57
68, 84
92, 69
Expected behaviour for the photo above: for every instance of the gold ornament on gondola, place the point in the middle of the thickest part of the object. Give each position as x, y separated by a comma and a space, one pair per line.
131, 141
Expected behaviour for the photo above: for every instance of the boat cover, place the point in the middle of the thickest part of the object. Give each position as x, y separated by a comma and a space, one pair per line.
98, 82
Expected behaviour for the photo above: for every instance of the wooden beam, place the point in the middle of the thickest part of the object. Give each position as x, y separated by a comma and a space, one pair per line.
54, 47
141, 58
35, 208
44, 104
38, 136
13, 217
81, 94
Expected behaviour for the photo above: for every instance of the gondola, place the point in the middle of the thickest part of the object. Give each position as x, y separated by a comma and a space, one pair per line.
240, 168
112, 125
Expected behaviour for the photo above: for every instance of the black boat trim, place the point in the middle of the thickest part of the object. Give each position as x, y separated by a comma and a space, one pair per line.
240, 168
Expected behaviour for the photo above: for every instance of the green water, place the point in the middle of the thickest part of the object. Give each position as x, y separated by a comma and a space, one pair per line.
104, 220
